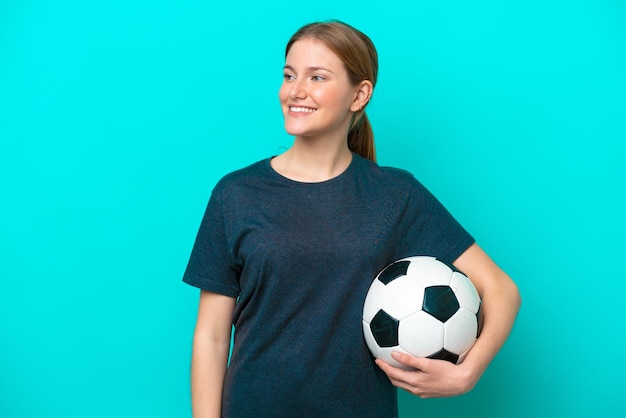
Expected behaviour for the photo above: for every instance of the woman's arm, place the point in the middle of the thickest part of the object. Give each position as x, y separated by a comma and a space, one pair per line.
211, 344
500, 304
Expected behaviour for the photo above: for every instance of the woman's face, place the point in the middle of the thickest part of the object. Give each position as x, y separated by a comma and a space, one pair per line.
316, 95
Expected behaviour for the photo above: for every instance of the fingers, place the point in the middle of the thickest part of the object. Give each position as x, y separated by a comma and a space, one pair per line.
410, 380
403, 379
427, 379
418, 363
414, 364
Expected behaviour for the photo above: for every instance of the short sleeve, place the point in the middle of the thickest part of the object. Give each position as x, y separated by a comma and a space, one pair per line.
211, 266
431, 228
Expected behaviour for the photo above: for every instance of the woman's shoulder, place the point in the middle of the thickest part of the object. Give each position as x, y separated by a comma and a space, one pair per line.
242, 177
252, 170
395, 181
388, 174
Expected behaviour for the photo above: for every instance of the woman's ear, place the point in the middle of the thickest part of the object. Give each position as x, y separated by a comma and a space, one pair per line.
362, 97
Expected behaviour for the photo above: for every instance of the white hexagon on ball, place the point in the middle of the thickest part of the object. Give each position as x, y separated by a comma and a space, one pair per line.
429, 271
402, 297
421, 334
465, 292
373, 300
460, 331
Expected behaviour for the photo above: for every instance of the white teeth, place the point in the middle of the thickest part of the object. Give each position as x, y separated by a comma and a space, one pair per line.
301, 109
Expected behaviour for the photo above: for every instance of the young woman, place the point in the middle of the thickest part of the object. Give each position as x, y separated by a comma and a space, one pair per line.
288, 247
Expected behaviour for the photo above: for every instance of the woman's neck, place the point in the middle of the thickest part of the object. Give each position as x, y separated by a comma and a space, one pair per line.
311, 163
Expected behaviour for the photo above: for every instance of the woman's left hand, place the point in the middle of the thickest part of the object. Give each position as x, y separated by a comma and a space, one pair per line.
431, 379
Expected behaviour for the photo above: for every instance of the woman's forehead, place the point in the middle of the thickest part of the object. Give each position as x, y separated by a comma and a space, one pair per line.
309, 52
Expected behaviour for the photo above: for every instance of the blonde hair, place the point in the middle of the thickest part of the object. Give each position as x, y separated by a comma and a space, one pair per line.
358, 54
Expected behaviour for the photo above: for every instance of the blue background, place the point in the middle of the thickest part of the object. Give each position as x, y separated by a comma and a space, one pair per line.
118, 117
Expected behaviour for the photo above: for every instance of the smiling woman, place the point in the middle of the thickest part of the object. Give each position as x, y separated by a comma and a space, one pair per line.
319, 103
288, 246
358, 59
317, 97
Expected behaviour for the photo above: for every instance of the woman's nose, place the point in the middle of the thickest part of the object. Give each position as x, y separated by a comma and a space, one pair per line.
297, 90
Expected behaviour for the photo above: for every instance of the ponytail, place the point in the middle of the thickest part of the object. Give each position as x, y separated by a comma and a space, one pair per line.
361, 137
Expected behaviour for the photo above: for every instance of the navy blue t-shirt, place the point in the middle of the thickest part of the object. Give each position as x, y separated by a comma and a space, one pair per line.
300, 258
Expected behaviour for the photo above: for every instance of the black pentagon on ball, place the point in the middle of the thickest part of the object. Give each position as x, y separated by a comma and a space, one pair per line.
479, 317
444, 354
384, 328
440, 302
393, 271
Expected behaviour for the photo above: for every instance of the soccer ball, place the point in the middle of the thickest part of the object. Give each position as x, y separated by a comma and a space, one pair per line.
423, 307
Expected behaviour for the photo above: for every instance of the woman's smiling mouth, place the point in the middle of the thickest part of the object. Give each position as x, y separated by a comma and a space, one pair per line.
301, 109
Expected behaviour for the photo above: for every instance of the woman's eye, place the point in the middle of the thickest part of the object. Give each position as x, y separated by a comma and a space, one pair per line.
288, 77
318, 78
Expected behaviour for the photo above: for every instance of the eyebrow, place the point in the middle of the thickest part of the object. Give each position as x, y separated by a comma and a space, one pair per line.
310, 69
